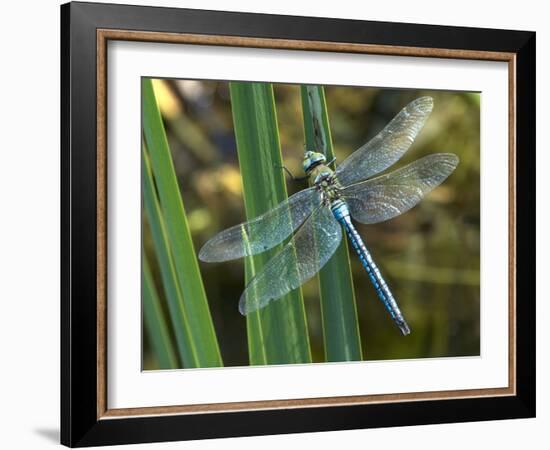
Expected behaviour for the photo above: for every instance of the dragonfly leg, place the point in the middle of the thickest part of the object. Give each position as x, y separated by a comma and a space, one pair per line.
291, 175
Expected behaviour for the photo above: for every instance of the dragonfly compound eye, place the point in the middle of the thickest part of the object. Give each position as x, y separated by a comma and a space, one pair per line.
312, 159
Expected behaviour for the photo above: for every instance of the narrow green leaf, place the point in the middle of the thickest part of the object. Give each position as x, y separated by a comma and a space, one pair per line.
155, 322
277, 334
339, 312
185, 262
178, 315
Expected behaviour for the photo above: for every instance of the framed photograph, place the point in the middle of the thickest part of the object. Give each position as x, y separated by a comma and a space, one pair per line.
277, 224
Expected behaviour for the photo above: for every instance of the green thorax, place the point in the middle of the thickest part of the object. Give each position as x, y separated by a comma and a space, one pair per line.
326, 182
320, 174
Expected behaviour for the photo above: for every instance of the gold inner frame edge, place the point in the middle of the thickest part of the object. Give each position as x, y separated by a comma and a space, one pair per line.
105, 35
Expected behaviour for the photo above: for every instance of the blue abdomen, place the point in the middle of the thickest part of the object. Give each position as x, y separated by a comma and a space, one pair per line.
341, 213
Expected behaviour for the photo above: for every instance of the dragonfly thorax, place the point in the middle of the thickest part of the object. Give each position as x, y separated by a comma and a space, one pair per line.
324, 179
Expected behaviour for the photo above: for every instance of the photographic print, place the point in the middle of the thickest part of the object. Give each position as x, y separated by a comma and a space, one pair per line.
296, 224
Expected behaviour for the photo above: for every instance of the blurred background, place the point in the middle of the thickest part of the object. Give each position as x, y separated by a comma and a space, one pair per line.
429, 255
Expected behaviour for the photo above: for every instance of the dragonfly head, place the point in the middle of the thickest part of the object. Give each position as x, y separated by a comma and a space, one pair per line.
312, 159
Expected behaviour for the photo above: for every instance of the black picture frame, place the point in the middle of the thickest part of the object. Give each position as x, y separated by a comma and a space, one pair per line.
80, 424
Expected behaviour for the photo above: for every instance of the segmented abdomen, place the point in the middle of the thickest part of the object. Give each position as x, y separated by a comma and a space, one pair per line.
341, 213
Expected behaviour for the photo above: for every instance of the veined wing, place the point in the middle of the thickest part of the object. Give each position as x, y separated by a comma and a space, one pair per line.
387, 146
389, 195
263, 232
301, 258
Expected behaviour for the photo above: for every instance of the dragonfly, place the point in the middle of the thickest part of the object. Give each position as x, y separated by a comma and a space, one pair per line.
320, 214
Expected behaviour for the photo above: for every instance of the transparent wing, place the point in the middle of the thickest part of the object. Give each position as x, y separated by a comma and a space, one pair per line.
387, 146
389, 195
263, 232
301, 258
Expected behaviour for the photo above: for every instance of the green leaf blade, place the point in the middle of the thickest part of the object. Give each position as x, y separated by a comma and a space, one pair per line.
178, 314
341, 335
155, 322
278, 333
201, 328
